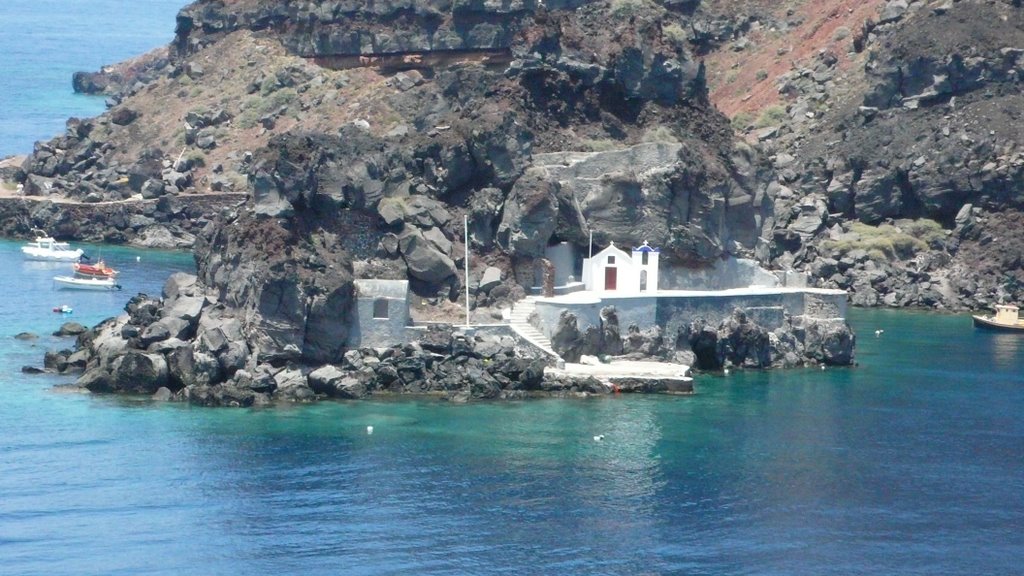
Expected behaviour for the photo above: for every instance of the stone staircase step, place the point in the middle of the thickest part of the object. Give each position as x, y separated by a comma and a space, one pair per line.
519, 321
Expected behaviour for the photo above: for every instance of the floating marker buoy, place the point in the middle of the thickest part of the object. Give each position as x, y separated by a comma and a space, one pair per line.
369, 430
879, 332
726, 371
822, 366
138, 258
599, 437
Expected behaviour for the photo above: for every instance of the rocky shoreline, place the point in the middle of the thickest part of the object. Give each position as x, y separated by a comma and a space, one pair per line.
188, 347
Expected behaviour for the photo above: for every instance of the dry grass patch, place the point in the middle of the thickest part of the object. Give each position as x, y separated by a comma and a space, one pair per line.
888, 242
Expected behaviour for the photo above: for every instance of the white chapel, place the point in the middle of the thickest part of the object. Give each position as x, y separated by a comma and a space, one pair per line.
615, 270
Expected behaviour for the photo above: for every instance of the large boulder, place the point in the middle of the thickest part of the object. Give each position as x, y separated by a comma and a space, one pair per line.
70, 329
180, 284
293, 386
741, 342
420, 211
333, 382
531, 213
216, 331
165, 328
133, 372
490, 278
162, 237
186, 367
424, 259
269, 200
830, 341
571, 342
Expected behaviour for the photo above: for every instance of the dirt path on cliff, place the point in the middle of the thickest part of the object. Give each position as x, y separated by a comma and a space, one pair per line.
17, 195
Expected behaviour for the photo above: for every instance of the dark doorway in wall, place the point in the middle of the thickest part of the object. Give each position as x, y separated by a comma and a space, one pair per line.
380, 308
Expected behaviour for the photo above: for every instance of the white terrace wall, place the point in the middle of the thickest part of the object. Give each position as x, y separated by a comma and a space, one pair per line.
724, 274
674, 311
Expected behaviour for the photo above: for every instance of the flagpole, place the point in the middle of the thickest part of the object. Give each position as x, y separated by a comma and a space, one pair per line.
465, 225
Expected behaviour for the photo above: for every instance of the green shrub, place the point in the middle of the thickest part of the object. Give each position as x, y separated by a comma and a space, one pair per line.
258, 106
877, 255
928, 231
883, 242
196, 157
771, 116
675, 34
268, 85
741, 121
600, 145
761, 75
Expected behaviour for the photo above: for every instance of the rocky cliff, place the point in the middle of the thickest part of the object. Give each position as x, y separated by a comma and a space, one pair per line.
898, 156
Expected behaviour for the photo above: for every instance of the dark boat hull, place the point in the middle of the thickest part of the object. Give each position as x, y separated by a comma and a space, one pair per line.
988, 324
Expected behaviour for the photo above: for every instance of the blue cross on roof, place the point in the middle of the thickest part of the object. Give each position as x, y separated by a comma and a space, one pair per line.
646, 248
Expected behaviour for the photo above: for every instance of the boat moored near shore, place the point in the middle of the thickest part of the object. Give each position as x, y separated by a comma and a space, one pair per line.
47, 249
1006, 319
98, 270
78, 283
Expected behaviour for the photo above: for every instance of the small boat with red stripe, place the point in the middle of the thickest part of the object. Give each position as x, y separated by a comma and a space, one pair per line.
97, 270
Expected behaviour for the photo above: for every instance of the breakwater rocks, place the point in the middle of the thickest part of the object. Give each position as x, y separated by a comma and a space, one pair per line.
187, 347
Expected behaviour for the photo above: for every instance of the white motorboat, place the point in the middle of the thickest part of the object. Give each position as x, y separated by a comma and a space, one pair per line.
47, 249
77, 283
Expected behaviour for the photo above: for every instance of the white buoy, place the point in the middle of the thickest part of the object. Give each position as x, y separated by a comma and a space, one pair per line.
879, 332
726, 371
369, 430
599, 437
138, 258
822, 366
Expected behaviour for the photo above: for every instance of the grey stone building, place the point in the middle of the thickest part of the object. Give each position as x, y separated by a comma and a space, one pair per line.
381, 313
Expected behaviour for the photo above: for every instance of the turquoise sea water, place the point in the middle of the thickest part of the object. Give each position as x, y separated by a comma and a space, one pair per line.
910, 463
44, 42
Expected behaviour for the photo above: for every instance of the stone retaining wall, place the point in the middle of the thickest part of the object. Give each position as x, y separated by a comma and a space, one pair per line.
768, 308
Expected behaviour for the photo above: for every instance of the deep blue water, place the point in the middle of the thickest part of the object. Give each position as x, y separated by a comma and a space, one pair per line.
44, 42
910, 463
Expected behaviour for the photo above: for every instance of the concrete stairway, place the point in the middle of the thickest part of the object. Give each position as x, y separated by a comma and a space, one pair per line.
520, 324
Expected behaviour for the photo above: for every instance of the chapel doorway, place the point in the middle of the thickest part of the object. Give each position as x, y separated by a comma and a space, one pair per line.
610, 278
